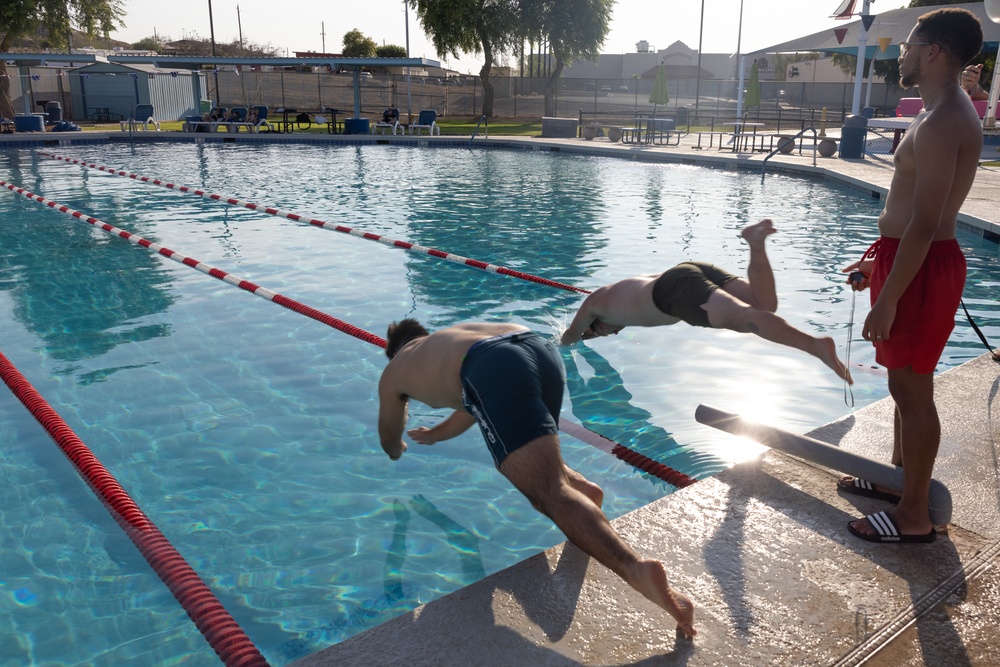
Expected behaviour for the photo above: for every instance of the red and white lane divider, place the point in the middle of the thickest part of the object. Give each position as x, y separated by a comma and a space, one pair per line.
230, 278
223, 633
635, 459
385, 240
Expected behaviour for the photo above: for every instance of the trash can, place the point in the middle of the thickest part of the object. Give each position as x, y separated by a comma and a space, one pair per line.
54, 112
356, 126
29, 122
205, 106
682, 115
852, 137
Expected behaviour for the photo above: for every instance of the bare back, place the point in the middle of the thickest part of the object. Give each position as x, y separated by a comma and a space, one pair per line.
935, 165
427, 369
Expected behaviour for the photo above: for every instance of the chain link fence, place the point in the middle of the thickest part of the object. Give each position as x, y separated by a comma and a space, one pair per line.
705, 103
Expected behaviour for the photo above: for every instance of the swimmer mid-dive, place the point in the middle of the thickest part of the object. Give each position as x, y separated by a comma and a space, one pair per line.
702, 295
510, 381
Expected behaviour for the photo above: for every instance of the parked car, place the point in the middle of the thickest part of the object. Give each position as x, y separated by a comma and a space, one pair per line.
605, 89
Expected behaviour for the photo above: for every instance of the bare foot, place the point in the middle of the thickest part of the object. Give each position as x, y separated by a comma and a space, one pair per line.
651, 581
757, 232
826, 351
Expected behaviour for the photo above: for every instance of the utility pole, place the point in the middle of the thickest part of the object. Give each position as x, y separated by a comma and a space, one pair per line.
215, 66
322, 34
239, 23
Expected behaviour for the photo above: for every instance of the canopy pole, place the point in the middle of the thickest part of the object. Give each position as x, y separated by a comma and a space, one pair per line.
859, 72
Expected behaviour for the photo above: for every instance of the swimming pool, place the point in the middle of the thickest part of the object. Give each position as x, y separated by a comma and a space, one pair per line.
247, 432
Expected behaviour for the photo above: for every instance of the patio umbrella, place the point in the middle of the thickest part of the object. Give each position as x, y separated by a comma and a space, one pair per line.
752, 98
659, 95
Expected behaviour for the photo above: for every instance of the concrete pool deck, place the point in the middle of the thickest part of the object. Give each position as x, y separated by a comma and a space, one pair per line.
762, 548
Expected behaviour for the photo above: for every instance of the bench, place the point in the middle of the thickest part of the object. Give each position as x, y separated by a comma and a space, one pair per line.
559, 128
711, 139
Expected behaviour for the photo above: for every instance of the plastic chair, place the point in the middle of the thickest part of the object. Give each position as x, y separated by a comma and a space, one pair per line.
392, 123
143, 118
262, 117
426, 120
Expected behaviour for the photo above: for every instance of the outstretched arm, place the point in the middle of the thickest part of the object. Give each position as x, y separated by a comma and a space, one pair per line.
584, 317
391, 418
457, 423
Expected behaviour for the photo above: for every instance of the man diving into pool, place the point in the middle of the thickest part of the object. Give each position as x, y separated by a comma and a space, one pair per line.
511, 381
702, 295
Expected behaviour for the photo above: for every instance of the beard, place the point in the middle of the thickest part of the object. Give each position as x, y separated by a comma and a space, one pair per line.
911, 79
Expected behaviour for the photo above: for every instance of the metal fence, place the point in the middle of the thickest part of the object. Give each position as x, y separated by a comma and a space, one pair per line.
703, 104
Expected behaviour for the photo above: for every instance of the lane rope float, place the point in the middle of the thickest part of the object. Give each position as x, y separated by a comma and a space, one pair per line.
359, 233
633, 458
223, 633
198, 265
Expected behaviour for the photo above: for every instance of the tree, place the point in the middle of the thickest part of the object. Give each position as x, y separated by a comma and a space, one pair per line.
356, 45
390, 51
490, 27
21, 18
575, 29
148, 44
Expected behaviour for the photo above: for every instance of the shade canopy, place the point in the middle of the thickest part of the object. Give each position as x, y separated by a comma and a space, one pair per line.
659, 93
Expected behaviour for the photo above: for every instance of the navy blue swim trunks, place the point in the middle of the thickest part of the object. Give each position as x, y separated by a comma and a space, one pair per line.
513, 385
681, 291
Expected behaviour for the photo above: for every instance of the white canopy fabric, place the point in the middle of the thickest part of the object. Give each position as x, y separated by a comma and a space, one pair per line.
895, 24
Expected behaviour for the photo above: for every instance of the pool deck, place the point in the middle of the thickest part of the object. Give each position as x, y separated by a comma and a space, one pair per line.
762, 548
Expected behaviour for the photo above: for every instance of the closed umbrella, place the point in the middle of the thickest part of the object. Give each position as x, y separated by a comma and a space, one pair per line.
752, 98
659, 95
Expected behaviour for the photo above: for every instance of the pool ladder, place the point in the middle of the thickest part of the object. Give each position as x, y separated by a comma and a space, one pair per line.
784, 142
476, 131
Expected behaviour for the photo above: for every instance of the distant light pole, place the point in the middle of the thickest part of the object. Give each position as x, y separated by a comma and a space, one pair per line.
211, 28
697, 85
409, 110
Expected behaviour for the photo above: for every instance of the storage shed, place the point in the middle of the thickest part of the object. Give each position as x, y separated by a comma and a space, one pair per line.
108, 92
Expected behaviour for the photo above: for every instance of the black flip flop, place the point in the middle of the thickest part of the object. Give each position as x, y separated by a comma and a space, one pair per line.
861, 487
887, 531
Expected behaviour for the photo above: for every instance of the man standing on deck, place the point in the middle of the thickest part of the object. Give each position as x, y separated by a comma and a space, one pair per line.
918, 272
511, 381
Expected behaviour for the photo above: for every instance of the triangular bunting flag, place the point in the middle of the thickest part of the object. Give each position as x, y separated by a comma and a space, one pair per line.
883, 43
845, 10
867, 21
841, 33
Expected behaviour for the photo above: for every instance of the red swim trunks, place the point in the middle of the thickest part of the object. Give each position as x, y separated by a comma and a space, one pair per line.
925, 314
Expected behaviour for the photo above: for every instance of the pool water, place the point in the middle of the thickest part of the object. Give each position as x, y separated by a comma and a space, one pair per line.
248, 432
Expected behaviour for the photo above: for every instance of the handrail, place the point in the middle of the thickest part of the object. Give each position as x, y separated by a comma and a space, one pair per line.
784, 142
476, 131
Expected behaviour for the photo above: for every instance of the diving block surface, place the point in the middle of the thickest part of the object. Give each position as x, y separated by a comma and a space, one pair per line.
823, 454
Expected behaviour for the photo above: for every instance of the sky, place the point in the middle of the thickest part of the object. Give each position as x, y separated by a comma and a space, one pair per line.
659, 22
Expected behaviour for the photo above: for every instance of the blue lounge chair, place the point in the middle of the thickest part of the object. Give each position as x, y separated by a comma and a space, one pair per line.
390, 120
142, 119
426, 121
262, 118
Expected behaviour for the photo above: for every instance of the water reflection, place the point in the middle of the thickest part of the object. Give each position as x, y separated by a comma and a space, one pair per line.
489, 218
604, 405
80, 292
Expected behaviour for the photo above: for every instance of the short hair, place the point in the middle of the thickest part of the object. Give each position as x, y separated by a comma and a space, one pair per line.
400, 333
958, 31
